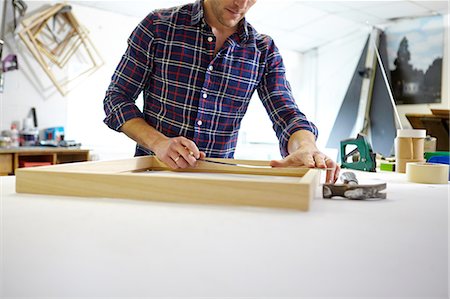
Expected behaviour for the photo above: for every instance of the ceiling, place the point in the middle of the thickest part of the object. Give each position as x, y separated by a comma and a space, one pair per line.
302, 25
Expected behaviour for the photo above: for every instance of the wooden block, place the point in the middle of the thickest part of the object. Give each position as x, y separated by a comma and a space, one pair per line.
6, 163
147, 178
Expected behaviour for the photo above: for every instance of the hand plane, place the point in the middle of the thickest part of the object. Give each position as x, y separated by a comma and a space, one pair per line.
352, 190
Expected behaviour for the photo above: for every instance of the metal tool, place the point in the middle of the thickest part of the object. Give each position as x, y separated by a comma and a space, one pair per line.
352, 190
252, 166
236, 164
349, 178
2, 80
10, 62
363, 158
19, 7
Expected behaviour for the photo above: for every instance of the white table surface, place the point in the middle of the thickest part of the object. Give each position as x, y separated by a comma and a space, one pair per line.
55, 246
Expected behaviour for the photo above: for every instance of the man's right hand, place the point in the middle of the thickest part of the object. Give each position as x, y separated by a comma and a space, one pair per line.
177, 152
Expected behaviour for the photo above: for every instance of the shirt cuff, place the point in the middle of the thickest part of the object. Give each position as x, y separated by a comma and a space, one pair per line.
291, 129
121, 115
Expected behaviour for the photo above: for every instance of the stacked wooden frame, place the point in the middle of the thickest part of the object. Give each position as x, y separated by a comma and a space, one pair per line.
54, 36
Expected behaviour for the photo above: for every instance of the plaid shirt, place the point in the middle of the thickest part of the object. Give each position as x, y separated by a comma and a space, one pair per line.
190, 92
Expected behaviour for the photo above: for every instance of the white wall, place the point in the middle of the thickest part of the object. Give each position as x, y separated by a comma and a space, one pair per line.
257, 140
319, 79
81, 111
337, 62
28, 87
85, 115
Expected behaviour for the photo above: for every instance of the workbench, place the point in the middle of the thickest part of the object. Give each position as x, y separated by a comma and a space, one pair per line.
60, 246
25, 156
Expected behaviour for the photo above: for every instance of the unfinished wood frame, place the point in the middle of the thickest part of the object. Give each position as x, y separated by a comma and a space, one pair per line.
147, 178
37, 36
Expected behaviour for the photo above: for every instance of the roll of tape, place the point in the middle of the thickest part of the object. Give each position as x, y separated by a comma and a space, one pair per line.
411, 133
427, 173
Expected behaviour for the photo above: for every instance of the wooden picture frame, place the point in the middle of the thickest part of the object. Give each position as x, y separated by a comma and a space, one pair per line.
53, 54
147, 178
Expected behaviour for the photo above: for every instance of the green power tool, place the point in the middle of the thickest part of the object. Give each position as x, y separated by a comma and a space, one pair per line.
362, 157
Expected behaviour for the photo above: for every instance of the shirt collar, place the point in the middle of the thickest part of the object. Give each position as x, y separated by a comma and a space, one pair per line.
197, 17
197, 12
243, 30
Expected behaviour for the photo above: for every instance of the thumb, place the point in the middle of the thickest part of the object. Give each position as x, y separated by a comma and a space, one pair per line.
279, 163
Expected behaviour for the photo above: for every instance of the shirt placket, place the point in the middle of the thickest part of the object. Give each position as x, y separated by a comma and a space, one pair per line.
202, 122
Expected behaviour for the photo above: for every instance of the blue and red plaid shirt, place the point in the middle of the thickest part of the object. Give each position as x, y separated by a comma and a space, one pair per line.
190, 92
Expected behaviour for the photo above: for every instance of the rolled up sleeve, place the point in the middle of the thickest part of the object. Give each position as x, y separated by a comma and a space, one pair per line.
130, 77
276, 95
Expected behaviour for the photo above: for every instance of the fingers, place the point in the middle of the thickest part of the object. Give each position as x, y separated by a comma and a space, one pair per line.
279, 163
180, 152
311, 160
336, 173
202, 155
191, 149
332, 172
320, 160
295, 159
323, 161
169, 161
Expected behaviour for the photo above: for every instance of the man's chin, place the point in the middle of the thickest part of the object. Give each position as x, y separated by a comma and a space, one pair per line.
231, 23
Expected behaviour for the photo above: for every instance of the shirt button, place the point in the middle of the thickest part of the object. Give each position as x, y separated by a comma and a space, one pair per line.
205, 95
199, 122
210, 39
210, 67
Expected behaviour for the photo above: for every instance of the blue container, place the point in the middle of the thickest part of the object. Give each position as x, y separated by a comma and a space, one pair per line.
441, 160
54, 134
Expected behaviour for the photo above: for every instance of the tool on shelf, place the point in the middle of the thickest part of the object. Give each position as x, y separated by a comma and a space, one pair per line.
362, 156
2, 80
352, 190
10, 62
20, 8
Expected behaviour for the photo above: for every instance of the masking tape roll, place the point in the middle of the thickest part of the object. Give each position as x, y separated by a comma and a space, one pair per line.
427, 173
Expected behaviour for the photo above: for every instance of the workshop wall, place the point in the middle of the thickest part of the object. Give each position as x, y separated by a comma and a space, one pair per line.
109, 31
336, 63
84, 104
21, 89
335, 67
319, 79
81, 111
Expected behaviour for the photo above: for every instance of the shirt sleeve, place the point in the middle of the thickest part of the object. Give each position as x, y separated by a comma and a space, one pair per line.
276, 95
129, 77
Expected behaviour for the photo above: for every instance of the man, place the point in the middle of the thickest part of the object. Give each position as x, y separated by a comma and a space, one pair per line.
198, 66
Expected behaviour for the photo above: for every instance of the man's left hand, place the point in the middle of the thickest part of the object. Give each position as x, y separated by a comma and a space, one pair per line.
306, 154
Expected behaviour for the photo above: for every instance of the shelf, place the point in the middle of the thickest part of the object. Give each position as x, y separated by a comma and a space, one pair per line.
13, 158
